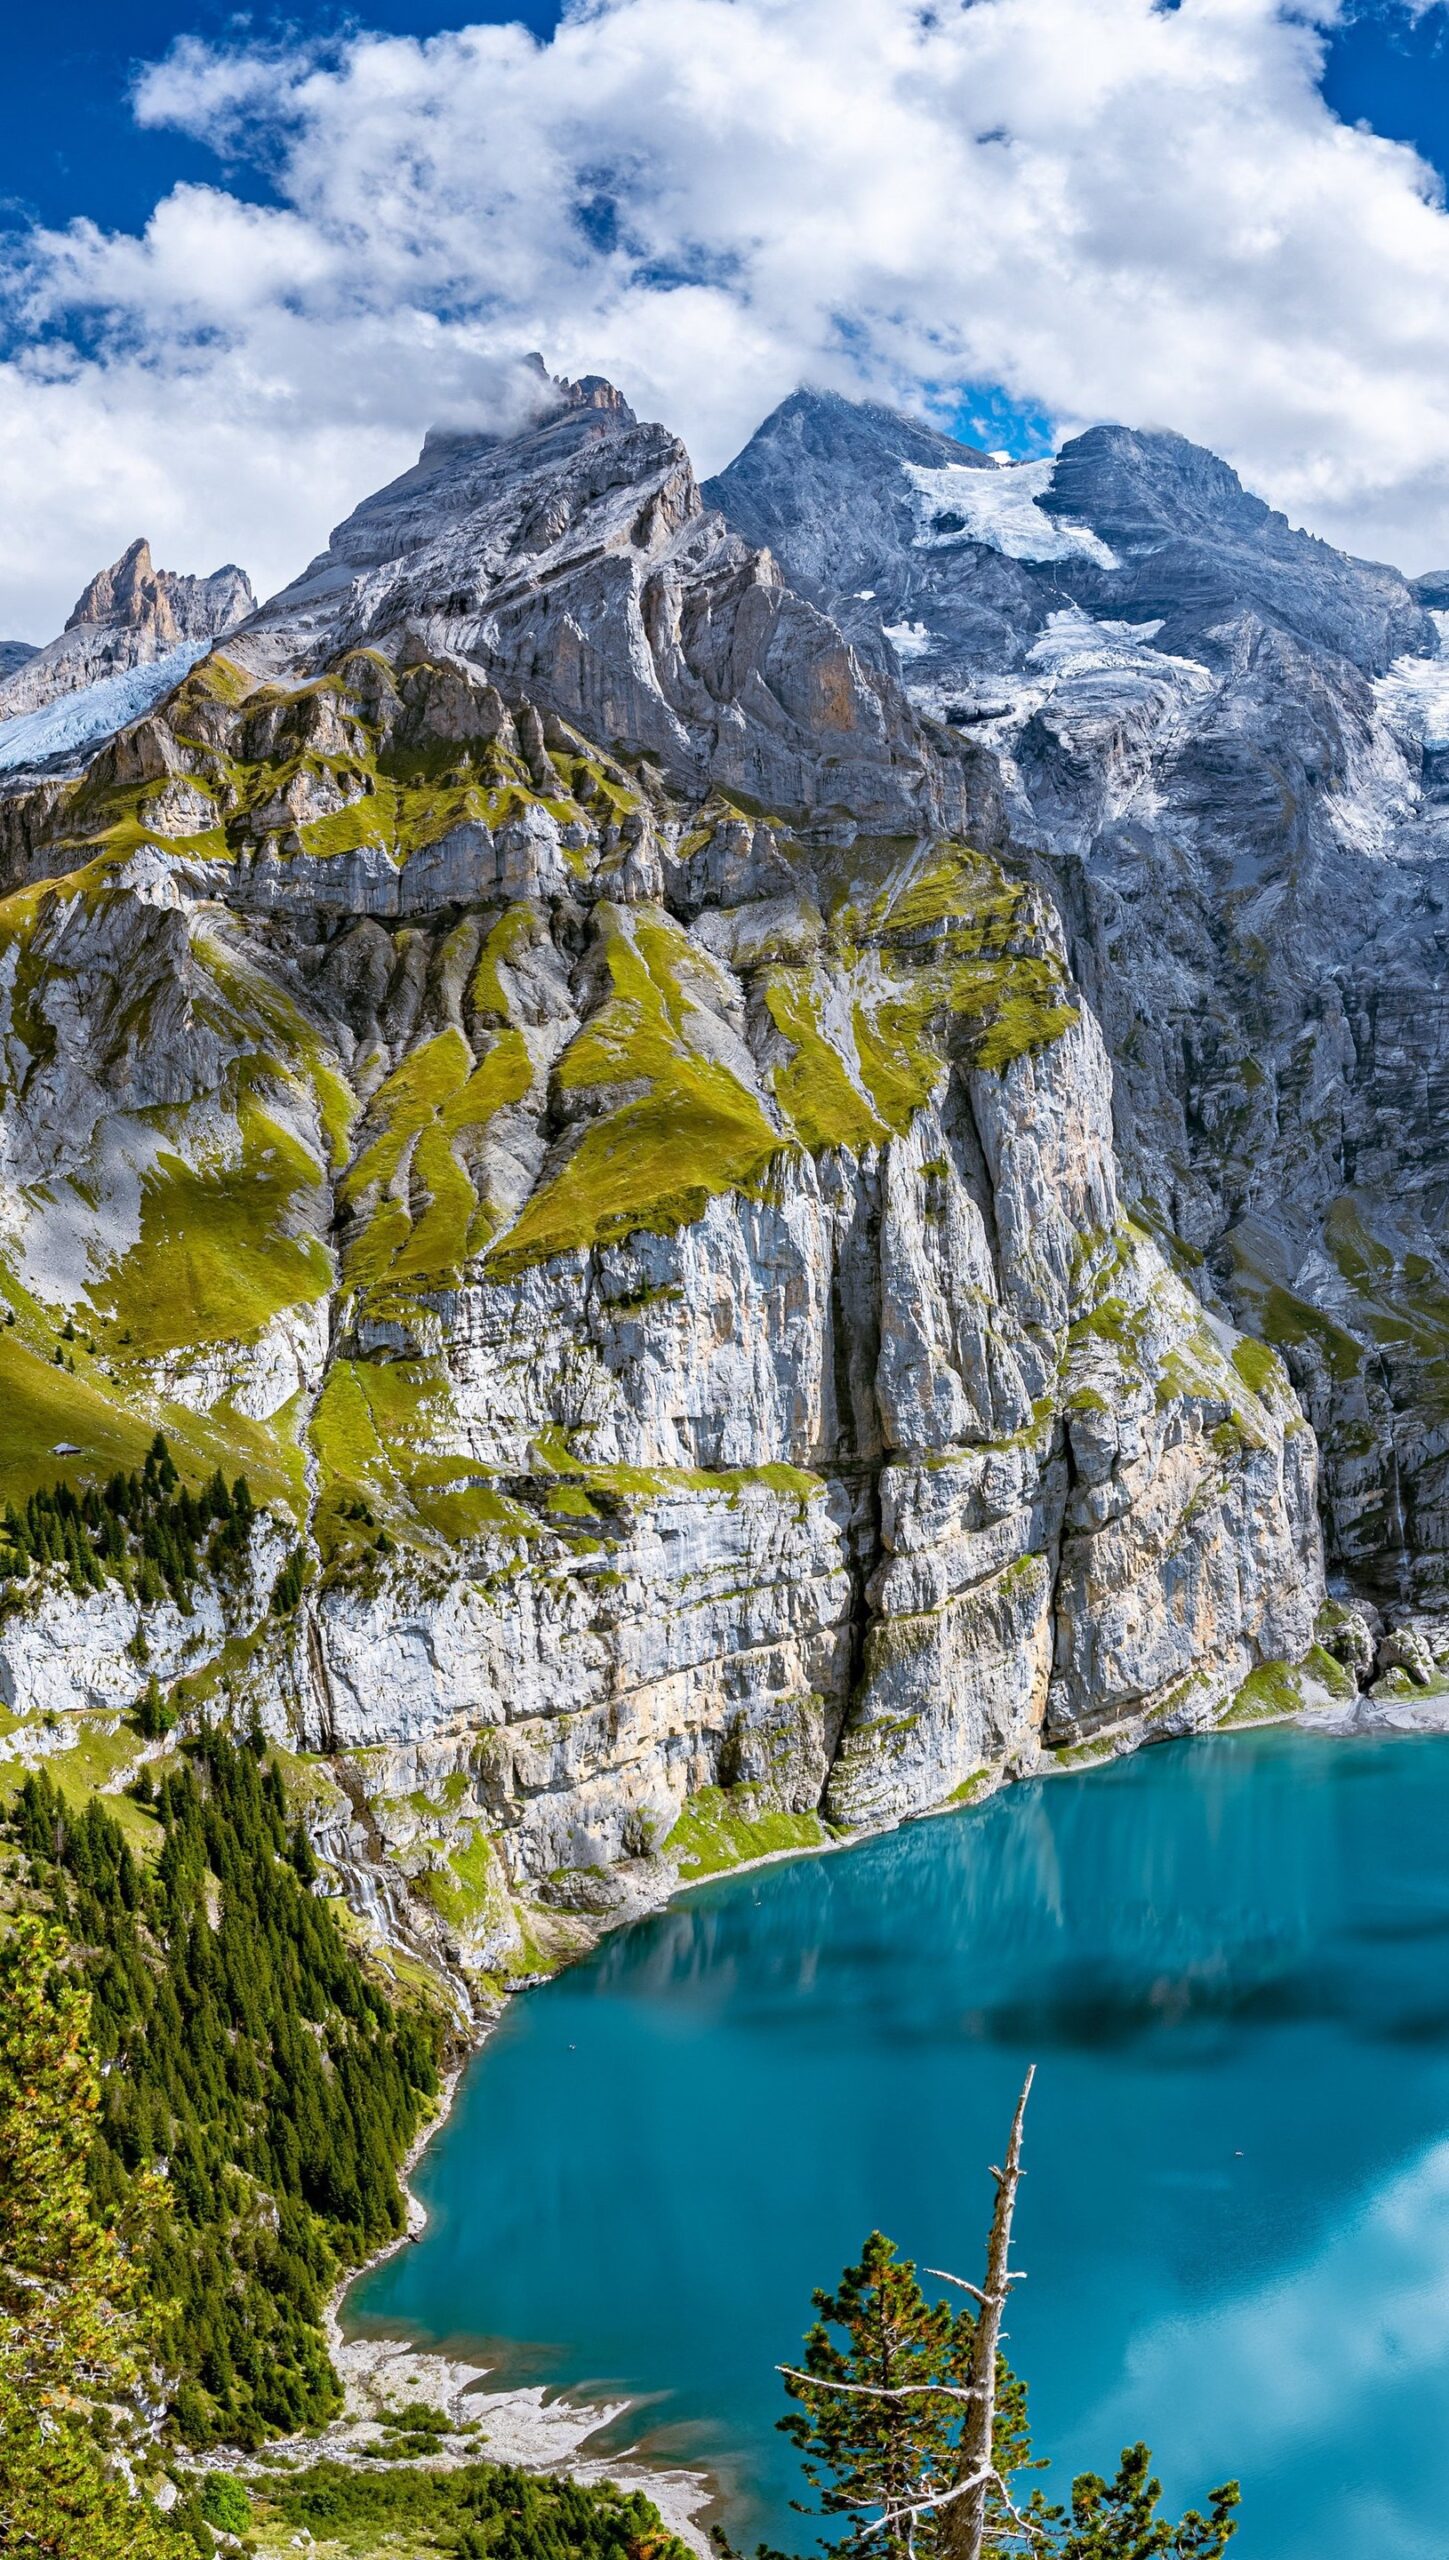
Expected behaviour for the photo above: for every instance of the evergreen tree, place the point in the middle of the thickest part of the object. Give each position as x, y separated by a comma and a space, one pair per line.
73, 2329
880, 2413
884, 2424
153, 1715
248, 2049
1119, 2521
287, 1589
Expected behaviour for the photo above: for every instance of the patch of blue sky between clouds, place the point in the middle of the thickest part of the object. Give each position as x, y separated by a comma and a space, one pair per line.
1386, 65
980, 413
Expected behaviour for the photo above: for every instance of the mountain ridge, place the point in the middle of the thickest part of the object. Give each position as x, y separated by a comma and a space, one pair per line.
1239, 814
583, 1073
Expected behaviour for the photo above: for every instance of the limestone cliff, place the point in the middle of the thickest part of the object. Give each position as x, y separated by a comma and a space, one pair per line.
1227, 742
543, 1058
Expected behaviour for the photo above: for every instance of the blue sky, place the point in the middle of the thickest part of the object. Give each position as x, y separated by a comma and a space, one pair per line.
70, 145
246, 258
1389, 65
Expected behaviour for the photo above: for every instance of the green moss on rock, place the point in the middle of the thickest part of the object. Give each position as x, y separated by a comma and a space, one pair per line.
723, 1827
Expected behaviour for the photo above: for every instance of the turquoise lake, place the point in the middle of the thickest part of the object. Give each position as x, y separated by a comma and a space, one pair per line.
1229, 1961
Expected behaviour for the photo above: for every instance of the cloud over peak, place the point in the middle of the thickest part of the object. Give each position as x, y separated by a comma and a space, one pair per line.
1110, 208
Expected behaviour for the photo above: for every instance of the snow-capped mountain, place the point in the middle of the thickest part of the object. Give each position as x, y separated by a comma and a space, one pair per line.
771, 1120
1228, 743
130, 637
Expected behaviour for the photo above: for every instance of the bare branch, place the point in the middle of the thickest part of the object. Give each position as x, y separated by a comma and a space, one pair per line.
926, 2506
947, 2278
1017, 2275
990, 2478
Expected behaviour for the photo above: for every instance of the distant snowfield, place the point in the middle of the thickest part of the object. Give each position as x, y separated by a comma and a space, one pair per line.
1000, 508
1414, 695
82, 719
1073, 658
908, 639
1072, 642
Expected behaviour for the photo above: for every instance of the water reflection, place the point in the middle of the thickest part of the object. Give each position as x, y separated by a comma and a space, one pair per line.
1228, 1960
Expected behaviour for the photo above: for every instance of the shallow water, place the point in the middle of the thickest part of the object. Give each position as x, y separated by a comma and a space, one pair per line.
1230, 1961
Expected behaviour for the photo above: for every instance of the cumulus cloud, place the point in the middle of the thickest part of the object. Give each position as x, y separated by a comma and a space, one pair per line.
1112, 208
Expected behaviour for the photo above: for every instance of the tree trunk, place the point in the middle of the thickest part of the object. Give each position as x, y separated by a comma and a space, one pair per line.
963, 2521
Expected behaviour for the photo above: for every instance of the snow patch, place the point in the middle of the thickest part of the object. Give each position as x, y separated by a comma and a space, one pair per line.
1000, 509
908, 639
1072, 643
83, 719
1414, 695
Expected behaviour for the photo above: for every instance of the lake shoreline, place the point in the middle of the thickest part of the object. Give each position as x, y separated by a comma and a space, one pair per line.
545, 2430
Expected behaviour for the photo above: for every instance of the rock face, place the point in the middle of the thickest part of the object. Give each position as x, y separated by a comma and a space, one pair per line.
1229, 746
131, 615
544, 1057
576, 562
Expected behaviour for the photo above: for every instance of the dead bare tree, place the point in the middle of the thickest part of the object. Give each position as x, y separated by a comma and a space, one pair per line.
964, 2503
965, 2526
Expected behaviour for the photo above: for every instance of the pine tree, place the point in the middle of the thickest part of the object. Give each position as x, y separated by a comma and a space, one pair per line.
153, 1715
1119, 2521
915, 2427
283, 2137
73, 2333
866, 2451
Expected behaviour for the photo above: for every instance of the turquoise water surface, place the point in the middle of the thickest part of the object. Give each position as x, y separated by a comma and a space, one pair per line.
1230, 1962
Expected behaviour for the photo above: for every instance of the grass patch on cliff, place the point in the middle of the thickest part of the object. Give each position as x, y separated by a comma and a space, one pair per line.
1276, 1690
722, 1827
85, 1425
942, 958
1258, 1366
433, 1099
370, 1432
683, 1129
225, 1246
470, 1887
817, 1091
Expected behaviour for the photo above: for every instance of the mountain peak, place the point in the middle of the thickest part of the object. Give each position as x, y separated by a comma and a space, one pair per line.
822, 484
531, 398
129, 615
132, 594
122, 593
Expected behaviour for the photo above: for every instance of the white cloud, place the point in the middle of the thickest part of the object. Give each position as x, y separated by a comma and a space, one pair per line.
1274, 2379
1111, 208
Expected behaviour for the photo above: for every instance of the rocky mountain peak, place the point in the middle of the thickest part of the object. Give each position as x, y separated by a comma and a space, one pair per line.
825, 484
576, 559
460, 471
126, 592
134, 595
1195, 549
128, 616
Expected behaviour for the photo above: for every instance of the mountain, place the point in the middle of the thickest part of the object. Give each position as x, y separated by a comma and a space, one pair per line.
1226, 744
573, 1058
13, 654
577, 561
133, 631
